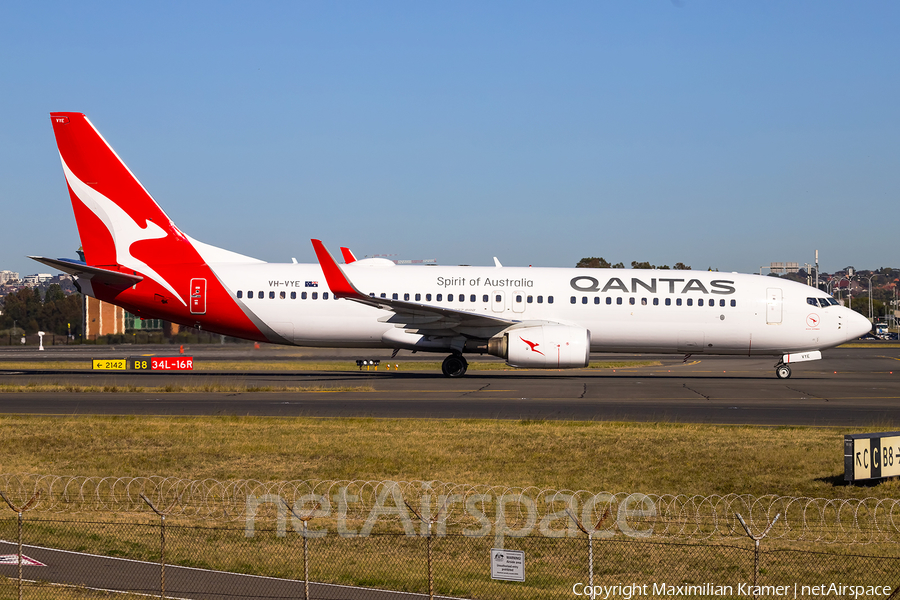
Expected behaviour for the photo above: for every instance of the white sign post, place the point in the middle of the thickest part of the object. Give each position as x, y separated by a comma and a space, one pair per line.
507, 565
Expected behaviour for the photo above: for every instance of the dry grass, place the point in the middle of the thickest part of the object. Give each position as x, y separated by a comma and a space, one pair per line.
652, 458
173, 388
53, 365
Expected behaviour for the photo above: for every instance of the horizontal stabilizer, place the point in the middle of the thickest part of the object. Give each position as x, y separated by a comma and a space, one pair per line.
95, 274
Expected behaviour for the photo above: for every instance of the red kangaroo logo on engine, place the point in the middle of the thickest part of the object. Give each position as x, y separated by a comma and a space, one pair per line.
532, 345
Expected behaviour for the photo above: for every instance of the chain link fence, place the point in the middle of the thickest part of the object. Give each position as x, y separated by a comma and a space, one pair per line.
87, 538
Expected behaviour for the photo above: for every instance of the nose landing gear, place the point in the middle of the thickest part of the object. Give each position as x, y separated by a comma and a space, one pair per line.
782, 371
454, 365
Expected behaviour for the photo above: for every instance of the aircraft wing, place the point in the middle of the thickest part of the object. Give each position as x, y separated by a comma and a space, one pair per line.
426, 319
95, 274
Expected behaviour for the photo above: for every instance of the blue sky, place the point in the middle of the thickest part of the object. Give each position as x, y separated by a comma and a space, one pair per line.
723, 134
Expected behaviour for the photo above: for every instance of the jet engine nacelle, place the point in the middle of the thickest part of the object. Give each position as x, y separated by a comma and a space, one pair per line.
543, 346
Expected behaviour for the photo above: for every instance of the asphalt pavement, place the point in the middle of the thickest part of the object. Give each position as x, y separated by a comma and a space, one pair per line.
849, 387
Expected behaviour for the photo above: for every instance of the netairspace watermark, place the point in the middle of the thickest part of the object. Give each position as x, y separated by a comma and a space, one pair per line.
504, 515
797, 590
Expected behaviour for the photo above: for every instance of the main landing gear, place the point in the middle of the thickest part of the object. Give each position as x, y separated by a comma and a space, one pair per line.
454, 365
782, 371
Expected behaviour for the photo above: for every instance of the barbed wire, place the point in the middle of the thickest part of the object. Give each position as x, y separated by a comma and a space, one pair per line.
467, 508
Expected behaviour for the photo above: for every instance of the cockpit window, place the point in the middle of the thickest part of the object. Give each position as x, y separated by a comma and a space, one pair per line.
823, 302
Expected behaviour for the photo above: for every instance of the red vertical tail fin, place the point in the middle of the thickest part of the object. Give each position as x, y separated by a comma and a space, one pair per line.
120, 225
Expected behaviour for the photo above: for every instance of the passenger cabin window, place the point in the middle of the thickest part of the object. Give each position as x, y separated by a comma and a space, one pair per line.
449, 297
325, 296
472, 298
485, 298
722, 302
656, 302
406, 296
734, 303
619, 300
572, 300
303, 295
700, 302
631, 301
315, 295
596, 299
584, 299
677, 301
668, 302
418, 297
439, 297
529, 299
261, 295
394, 296
282, 295
293, 295
549, 299
427, 297
608, 300
690, 301
498, 298
240, 294
540, 299
643, 302
383, 295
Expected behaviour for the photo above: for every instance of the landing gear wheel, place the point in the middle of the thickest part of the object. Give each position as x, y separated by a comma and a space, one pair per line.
454, 365
782, 371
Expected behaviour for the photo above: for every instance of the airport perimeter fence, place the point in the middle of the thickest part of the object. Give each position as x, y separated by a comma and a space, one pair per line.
370, 539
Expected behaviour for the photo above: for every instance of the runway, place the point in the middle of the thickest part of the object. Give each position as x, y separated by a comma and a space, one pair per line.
849, 387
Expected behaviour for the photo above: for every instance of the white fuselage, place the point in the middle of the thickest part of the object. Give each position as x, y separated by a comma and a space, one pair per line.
625, 310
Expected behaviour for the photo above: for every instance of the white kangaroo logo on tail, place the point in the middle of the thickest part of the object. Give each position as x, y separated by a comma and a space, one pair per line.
124, 230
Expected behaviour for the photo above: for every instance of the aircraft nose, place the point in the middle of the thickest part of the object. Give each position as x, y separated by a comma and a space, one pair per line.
857, 324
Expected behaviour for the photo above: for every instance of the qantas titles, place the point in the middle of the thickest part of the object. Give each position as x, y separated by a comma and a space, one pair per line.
590, 284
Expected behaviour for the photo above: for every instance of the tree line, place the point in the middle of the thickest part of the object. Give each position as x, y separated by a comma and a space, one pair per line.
52, 313
595, 262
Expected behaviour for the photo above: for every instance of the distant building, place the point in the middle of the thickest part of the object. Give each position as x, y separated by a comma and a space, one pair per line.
102, 318
7, 277
37, 279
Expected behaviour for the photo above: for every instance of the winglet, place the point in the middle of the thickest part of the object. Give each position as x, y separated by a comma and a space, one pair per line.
338, 283
348, 256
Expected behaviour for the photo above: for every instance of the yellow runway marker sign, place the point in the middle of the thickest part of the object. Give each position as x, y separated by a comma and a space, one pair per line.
115, 364
871, 456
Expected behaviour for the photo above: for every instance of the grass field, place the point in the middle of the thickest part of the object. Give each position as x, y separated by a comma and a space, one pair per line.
617, 457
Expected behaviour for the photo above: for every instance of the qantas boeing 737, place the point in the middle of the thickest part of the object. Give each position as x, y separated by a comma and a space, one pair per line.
135, 257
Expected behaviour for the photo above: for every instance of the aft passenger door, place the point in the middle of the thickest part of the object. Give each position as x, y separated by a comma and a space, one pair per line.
518, 304
198, 296
498, 301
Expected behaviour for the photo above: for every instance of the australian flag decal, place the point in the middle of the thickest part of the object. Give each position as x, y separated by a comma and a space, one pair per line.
312, 284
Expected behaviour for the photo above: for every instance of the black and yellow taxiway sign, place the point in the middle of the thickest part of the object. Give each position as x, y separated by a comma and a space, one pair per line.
106, 364
871, 456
